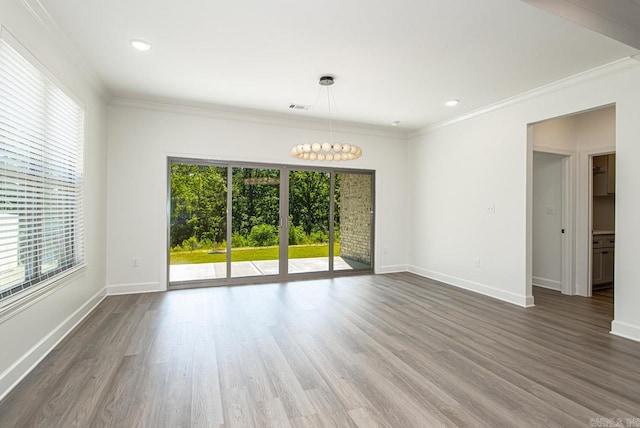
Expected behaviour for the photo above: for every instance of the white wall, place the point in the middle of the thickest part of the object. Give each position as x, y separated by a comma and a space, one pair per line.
27, 334
459, 168
547, 220
143, 135
458, 173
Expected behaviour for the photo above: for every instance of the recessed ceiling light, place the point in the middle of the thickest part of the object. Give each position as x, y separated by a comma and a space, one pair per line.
452, 103
395, 123
141, 45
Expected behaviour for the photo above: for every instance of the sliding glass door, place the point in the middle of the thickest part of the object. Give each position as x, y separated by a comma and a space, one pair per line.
308, 221
198, 219
238, 223
353, 221
255, 222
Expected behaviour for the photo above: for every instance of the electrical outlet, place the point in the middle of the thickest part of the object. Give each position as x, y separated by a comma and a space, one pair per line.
491, 209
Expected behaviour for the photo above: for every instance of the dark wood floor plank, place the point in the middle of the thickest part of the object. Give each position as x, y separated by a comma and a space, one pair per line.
391, 350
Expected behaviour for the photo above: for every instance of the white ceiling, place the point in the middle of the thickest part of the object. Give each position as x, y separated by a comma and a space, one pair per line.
393, 60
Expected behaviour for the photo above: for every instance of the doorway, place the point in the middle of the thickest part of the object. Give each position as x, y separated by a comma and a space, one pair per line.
576, 140
241, 223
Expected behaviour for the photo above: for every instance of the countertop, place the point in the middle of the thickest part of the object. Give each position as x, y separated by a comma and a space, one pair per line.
604, 232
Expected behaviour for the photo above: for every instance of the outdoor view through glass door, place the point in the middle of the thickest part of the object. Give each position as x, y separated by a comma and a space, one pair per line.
234, 223
198, 219
308, 221
255, 222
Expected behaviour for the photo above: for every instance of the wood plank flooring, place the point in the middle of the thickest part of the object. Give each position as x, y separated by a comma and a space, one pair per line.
371, 351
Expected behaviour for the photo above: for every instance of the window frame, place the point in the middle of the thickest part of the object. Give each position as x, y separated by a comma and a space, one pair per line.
51, 281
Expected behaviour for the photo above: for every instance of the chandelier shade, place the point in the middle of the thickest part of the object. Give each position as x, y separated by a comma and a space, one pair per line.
327, 151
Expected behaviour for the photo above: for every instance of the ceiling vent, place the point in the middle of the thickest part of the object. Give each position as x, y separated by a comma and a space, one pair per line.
300, 107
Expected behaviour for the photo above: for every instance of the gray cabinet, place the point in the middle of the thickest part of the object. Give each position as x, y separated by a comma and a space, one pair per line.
603, 260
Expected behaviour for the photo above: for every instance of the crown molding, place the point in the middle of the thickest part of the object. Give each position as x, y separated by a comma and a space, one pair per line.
614, 67
254, 116
46, 21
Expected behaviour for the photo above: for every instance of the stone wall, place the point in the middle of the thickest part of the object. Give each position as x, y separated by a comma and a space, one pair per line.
355, 217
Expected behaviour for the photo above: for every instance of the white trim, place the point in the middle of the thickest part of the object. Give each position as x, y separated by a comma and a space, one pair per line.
136, 288
626, 330
614, 67
552, 150
27, 362
487, 290
253, 116
391, 269
568, 261
547, 283
589, 228
528, 268
32, 295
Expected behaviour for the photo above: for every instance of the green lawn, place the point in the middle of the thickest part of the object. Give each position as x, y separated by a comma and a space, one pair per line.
252, 254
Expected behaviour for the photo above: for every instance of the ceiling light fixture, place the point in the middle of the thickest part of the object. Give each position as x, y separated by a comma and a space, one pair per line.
140, 45
452, 103
395, 123
327, 151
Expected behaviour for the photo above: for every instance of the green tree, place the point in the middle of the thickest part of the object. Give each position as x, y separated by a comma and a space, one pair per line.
256, 198
309, 200
198, 203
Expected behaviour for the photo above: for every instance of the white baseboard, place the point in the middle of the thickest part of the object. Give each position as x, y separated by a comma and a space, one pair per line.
623, 329
27, 362
141, 287
392, 269
547, 283
487, 290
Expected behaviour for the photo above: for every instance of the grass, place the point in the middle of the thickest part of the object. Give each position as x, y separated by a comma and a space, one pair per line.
252, 254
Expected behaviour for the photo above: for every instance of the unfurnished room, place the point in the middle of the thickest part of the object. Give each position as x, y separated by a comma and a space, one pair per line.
416, 213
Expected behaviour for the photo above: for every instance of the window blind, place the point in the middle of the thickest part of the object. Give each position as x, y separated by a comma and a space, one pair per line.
41, 152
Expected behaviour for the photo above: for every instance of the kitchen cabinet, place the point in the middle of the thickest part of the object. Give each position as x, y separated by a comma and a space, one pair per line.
604, 175
603, 261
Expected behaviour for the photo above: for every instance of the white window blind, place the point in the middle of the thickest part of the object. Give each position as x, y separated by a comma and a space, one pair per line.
41, 143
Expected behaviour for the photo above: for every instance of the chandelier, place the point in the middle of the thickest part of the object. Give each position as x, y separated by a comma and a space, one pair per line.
327, 151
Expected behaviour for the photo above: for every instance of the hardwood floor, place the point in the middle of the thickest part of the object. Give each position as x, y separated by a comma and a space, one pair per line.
373, 351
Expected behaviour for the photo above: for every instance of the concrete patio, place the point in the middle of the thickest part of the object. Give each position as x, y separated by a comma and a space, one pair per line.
194, 272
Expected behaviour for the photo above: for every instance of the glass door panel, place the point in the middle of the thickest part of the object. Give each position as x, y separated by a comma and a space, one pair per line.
198, 222
255, 221
308, 223
352, 221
